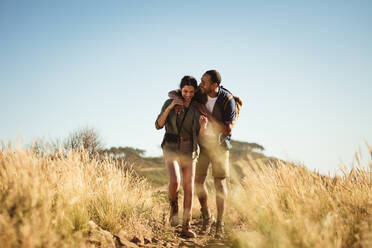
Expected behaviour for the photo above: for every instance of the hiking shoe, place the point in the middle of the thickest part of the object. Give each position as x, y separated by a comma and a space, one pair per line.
173, 218
187, 232
208, 221
219, 230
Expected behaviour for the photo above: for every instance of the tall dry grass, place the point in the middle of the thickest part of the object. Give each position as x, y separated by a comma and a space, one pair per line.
47, 201
289, 206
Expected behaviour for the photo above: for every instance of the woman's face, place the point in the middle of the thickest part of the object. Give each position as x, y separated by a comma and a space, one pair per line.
188, 92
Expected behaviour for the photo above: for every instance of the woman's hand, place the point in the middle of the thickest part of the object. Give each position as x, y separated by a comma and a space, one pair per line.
203, 121
163, 117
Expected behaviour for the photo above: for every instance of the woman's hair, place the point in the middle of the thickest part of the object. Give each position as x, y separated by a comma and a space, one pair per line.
188, 80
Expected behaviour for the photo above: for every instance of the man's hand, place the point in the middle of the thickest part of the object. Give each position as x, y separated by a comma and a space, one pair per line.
176, 103
175, 94
179, 108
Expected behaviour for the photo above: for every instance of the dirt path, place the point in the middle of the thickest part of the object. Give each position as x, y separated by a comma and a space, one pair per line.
199, 241
152, 169
171, 237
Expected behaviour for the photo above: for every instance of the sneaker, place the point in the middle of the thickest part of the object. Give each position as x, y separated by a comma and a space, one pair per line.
219, 230
208, 221
173, 218
187, 232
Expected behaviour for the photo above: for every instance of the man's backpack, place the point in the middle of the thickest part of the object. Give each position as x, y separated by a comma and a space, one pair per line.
238, 102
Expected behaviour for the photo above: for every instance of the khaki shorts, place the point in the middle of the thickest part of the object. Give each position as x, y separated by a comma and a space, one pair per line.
182, 159
218, 157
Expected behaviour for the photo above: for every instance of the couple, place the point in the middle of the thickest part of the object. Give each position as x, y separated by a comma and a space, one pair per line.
198, 124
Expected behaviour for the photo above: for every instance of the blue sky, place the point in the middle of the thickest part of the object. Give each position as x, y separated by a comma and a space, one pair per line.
303, 69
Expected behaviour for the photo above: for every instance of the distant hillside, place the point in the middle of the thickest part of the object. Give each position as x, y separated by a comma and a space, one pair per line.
242, 154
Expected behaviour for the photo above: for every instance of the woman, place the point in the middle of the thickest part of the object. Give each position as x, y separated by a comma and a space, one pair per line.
181, 150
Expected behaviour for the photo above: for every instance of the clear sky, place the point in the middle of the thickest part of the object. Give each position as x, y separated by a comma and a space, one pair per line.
303, 69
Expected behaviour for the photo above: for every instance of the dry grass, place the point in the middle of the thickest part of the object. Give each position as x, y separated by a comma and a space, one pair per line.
47, 201
293, 207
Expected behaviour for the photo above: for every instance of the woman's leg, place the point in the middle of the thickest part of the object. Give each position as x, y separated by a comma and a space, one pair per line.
188, 177
173, 187
174, 178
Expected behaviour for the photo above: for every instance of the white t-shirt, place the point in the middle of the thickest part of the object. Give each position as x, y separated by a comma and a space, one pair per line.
210, 105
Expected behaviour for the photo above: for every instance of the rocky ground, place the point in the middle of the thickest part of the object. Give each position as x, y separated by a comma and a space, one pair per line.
171, 238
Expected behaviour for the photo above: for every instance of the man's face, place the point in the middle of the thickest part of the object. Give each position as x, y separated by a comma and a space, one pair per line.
205, 84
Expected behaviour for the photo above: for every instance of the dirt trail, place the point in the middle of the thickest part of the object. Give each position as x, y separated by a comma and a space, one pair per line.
199, 241
152, 169
171, 237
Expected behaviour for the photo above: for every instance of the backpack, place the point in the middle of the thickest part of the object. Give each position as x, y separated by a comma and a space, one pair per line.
238, 102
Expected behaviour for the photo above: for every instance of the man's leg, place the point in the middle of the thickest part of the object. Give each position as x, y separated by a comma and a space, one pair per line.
200, 176
221, 196
202, 191
220, 167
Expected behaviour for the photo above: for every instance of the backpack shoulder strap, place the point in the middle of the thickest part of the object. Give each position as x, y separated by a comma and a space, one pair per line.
228, 97
238, 101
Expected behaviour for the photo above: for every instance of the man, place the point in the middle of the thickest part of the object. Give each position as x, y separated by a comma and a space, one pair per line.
218, 105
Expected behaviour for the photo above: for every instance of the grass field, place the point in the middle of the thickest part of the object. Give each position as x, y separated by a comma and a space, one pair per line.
49, 201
